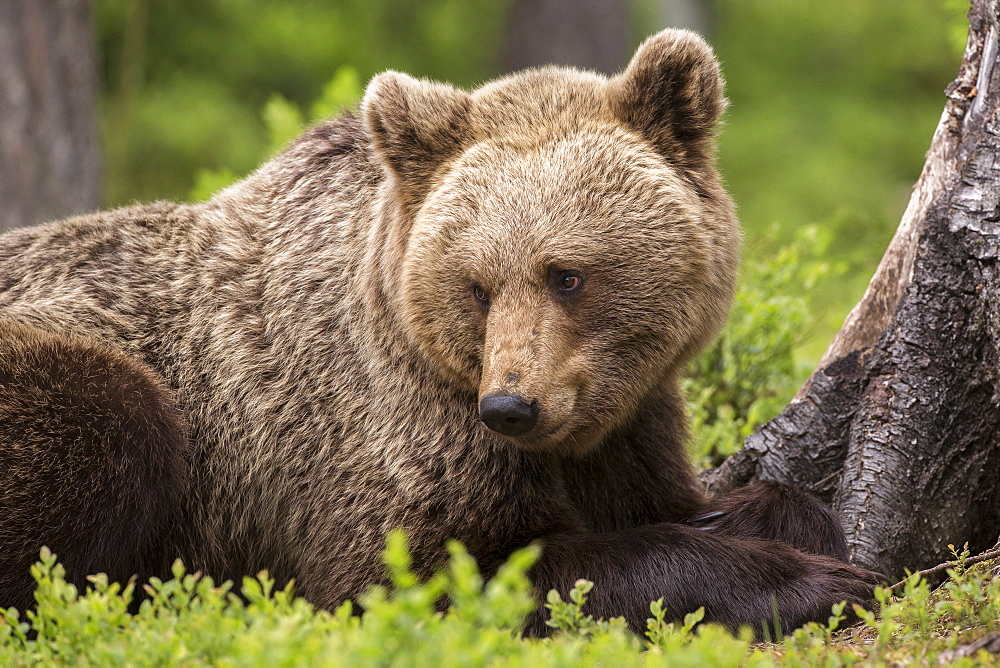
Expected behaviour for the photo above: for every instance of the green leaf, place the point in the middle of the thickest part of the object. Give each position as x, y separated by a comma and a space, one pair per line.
340, 93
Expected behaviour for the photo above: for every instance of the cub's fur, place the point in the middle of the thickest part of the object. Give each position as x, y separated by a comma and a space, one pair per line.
277, 377
93, 459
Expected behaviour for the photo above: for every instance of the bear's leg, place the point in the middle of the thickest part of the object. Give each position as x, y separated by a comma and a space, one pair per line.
93, 460
739, 581
774, 511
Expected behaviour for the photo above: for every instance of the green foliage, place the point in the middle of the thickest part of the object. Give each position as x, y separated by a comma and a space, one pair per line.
209, 181
189, 620
338, 95
183, 81
958, 23
920, 626
832, 107
751, 371
568, 617
813, 134
284, 120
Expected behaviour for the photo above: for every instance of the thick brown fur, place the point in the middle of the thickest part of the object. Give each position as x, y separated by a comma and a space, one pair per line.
94, 460
328, 326
777, 512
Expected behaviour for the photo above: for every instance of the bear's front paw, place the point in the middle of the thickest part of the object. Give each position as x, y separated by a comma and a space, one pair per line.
822, 583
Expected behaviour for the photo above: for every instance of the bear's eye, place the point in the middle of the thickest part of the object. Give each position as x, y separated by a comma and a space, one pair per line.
569, 281
481, 295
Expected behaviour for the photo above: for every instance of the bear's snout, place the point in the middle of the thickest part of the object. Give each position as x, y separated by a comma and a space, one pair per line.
508, 414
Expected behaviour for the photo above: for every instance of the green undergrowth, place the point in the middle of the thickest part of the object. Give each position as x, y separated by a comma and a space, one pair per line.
189, 620
755, 366
283, 121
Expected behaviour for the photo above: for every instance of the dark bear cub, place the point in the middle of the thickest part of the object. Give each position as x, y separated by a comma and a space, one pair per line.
93, 460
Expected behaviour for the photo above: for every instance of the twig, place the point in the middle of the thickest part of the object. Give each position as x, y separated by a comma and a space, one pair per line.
985, 556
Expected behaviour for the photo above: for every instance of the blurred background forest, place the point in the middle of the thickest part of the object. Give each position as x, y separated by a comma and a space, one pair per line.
832, 107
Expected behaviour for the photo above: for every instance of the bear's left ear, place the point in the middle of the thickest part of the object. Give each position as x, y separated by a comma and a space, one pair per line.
671, 93
415, 124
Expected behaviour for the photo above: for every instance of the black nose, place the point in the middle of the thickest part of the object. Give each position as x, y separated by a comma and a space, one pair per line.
508, 414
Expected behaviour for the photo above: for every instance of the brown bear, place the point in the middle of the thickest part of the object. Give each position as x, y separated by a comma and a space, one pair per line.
462, 314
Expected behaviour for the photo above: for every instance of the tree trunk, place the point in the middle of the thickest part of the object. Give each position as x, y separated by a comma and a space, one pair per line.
899, 426
49, 156
592, 34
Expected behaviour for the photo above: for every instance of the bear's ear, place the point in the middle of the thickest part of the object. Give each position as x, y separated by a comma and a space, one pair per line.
671, 93
415, 124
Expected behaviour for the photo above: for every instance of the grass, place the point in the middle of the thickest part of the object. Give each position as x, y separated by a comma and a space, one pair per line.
189, 620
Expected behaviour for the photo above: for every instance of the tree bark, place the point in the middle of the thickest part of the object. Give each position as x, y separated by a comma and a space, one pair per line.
49, 155
899, 426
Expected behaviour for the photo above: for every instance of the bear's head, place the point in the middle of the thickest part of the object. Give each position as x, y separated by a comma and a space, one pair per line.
563, 243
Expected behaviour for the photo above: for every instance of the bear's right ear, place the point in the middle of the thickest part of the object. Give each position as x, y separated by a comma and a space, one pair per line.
671, 93
415, 124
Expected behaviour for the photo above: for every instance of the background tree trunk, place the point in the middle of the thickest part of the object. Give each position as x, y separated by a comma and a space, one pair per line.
899, 426
592, 34
49, 155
